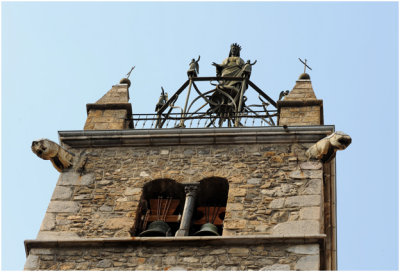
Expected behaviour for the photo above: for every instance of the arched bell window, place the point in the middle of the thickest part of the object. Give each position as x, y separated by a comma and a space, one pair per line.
209, 212
160, 208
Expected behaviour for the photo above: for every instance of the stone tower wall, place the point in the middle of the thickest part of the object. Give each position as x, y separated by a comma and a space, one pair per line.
272, 188
278, 212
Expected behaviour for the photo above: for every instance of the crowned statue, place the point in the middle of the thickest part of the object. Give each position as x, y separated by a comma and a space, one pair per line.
232, 66
228, 92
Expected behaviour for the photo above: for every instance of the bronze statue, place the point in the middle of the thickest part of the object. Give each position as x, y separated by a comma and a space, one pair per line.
247, 68
283, 94
193, 68
228, 99
232, 66
162, 100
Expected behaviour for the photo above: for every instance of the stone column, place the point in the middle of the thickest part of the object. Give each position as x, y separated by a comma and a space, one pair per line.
191, 192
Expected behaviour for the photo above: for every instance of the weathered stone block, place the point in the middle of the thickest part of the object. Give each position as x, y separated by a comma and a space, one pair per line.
177, 268
32, 262
310, 213
303, 201
41, 251
308, 263
61, 193
237, 192
105, 182
82, 266
234, 207
191, 260
218, 251
164, 152
276, 267
261, 228
49, 221
311, 165
300, 174
239, 251
118, 223
67, 266
100, 126
304, 249
81, 197
68, 178
277, 203
125, 206
63, 207
132, 191
235, 224
105, 208
313, 187
255, 181
208, 260
104, 263
303, 227
169, 260
56, 235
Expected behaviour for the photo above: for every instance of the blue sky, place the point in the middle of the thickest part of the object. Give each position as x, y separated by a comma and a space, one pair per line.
56, 57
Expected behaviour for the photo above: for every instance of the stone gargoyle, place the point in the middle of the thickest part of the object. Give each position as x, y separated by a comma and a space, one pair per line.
325, 149
60, 158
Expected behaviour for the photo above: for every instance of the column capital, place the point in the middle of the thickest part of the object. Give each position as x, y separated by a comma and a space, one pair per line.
191, 188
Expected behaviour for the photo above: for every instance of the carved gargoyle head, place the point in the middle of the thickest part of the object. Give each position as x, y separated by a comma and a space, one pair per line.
49, 150
44, 149
325, 149
340, 140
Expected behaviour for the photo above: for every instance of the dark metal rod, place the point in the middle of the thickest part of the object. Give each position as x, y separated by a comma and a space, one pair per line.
217, 78
270, 100
165, 118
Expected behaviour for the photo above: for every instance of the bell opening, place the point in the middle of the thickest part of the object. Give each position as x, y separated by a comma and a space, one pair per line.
162, 202
209, 214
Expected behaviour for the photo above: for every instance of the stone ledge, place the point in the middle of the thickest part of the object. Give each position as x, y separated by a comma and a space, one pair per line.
110, 106
300, 103
184, 241
161, 137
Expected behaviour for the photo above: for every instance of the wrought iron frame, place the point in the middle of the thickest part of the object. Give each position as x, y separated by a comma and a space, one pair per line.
164, 113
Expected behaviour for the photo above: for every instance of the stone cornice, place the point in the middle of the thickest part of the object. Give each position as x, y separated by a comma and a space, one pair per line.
163, 137
299, 103
110, 106
176, 241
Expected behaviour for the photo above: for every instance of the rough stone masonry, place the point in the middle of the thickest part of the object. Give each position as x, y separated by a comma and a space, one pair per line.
274, 191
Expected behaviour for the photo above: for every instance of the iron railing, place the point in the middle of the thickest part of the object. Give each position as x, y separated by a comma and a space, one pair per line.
221, 107
204, 120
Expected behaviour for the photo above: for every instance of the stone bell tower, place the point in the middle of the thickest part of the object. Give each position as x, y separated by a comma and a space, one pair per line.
234, 188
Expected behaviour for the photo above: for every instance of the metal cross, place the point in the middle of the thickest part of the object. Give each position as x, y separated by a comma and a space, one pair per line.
129, 74
305, 64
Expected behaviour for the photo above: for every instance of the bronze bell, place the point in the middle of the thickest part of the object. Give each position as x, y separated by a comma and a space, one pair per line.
207, 229
156, 228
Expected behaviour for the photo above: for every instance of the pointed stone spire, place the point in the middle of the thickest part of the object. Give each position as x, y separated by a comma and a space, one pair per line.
112, 111
301, 107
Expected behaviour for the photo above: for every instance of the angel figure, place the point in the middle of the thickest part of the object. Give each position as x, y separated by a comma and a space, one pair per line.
193, 68
247, 68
